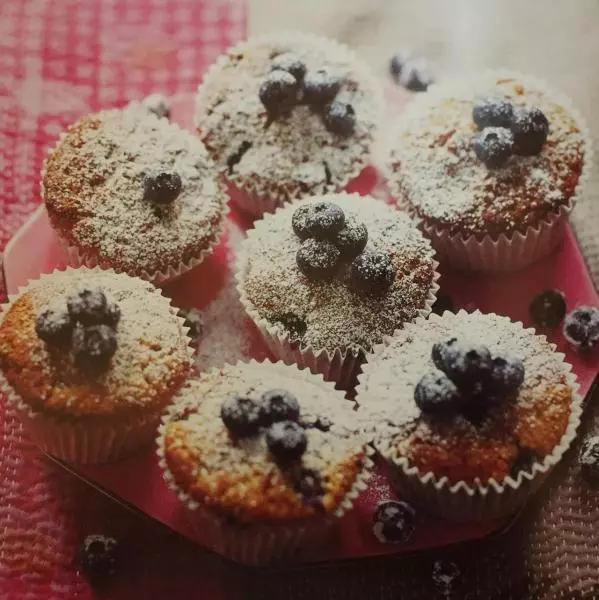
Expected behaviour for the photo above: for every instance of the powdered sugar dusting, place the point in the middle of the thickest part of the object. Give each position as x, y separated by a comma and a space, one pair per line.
335, 315
435, 169
94, 190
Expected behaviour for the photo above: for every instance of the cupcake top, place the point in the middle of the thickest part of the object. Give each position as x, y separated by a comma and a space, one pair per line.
339, 271
289, 115
89, 343
133, 190
468, 397
263, 442
490, 154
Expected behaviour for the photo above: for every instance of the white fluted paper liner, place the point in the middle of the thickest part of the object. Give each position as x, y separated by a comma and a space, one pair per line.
463, 501
256, 198
78, 257
516, 250
340, 365
261, 543
85, 440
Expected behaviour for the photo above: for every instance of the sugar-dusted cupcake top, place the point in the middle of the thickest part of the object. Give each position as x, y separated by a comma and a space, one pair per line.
281, 137
92, 343
468, 396
339, 277
490, 154
133, 190
263, 441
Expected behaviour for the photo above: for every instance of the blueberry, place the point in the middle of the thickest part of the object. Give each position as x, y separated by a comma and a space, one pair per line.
278, 92
494, 146
589, 457
98, 556
88, 306
435, 393
278, 405
290, 63
372, 272
530, 128
507, 374
352, 239
162, 188
397, 62
54, 327
112, 315
313, 422
493, 112
195, 321
581, 327
308, 484
468, 366
416, 76
93, 346
157, 104
446, 576
317, 219
394, 522
340, 118
318, 259
286, 441
241, 416
443, 302
548, 308
320, 87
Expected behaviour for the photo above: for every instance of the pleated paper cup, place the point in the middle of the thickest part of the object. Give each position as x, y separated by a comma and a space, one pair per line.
85, 440
506, 252
464, 501
258, 196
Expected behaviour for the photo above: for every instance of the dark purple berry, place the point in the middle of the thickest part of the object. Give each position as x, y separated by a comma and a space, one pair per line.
467, 365
589, 457
87, 306
93, 346
394, 522
241, 416
548, 308
278, 405
530, 128
195, 321
290, 63
447, 576
157, 104
416, 76
317, 219
340, 118
286, 441
112, 316
493, 112
278, 92
320, 87
372, 273
435, 393
443, 302
313, 422
397, 62
494, 146
98, 557
352, 239
581, 327
318, 259
507, 374
299, 220
54, 326
162, 188
307, 483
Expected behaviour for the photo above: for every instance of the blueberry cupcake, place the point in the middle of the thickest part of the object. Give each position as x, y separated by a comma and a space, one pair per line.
90, 359
286, 116
492, 166
471, 412
128, 190
327, 279
264, 458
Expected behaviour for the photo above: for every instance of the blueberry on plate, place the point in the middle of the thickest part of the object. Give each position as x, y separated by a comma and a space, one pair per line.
93, 346
530, 128
589, 457
278, 92
494, 146
352, 239
98, 556
416, 76
493, 112
435, 393
372, 273
286, 441
241, 416
318, 259
54, 326
278, 405
394, 522
291, 63
581, 327
162, 188
548, 308
340, 118
320, 87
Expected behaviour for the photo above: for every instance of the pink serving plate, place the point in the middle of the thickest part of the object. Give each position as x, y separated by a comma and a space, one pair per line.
137, 482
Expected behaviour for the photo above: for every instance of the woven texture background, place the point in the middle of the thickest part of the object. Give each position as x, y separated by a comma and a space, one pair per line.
62, 58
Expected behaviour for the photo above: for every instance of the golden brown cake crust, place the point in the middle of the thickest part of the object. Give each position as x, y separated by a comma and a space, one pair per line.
240, 479
150, 364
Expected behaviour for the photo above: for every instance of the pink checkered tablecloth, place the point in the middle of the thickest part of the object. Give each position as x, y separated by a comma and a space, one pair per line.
60, 59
